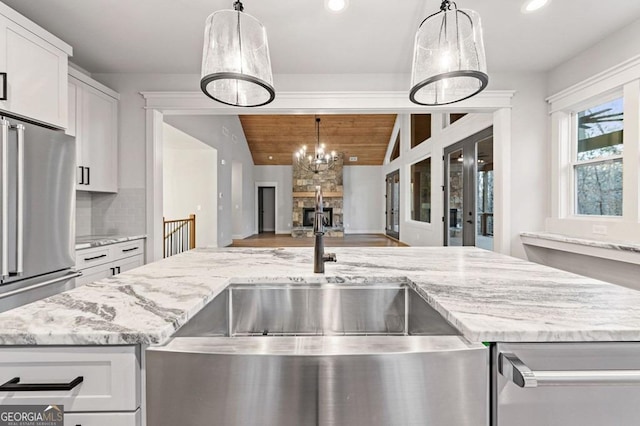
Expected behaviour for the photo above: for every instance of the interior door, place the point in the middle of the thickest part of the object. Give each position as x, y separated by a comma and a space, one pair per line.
393, 204
260, 210
468, 195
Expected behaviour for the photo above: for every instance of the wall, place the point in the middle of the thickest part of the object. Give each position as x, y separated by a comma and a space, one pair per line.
611, 51
363, 200
237, 198
190, 183
282, 176
225, 134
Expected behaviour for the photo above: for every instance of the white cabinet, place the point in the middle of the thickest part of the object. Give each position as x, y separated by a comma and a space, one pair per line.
105, 381
93, 112
36, 63
106, 261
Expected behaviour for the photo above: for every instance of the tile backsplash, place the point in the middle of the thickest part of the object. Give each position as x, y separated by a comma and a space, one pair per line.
111, 214
83, 213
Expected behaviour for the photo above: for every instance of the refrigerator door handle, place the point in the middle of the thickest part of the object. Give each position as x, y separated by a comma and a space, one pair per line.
515, 370
4, 198
20, 203
68, 276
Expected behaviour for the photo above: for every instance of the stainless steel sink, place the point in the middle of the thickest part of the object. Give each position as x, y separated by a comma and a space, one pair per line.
318, 354
317, 310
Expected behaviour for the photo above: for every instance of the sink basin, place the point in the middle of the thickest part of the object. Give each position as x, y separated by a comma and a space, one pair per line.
318, 354
317, 310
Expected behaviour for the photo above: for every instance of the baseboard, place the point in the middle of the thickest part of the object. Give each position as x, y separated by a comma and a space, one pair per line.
364, 231
241, 236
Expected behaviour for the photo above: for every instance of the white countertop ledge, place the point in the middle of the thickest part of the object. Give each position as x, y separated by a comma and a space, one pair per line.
487, 296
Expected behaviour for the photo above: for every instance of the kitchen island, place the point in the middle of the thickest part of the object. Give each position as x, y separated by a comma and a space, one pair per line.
486, 296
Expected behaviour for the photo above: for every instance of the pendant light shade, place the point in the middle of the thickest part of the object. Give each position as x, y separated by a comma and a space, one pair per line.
449, 62
236, 68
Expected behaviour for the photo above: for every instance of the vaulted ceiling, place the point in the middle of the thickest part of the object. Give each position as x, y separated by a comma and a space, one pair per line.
273, 139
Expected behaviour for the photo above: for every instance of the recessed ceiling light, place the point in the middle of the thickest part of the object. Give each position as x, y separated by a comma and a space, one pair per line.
271, 157
533, 5
336, 5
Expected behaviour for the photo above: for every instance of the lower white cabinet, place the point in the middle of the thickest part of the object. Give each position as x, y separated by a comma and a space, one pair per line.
106, 261
102, 382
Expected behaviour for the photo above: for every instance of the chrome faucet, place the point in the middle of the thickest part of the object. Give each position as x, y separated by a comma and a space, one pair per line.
319, 256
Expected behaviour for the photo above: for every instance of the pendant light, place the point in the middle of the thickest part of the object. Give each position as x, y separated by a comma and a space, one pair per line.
236, 68
449, 63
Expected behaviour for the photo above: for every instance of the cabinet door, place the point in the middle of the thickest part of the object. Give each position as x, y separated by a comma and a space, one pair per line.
129, 263
36, 75
95, 273
99, 140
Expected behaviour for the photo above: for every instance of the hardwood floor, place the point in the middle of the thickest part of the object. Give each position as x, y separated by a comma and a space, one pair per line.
281, 240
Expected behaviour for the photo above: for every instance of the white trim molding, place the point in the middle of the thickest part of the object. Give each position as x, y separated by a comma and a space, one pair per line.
323, 102
496, 102
601, 83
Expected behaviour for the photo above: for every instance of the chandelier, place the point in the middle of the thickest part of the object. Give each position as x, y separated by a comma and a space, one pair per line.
449, 63
236, 67
318, 160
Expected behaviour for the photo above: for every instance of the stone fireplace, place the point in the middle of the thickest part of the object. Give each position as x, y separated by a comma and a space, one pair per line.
304, 201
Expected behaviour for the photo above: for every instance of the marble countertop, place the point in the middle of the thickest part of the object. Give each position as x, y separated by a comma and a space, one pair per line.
487, 296
627, 246
89, 241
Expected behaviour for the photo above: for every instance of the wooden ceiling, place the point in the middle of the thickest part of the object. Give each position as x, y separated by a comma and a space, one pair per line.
365, 136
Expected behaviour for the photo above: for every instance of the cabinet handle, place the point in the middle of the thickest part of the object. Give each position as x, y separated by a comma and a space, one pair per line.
511, 367
130, 249
4, 86
118, 268
81, 175
14, 385
88, 175
86, 259
113, 271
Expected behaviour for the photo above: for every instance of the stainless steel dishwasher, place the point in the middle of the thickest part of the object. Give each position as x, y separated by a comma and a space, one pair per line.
324, 354
566, 384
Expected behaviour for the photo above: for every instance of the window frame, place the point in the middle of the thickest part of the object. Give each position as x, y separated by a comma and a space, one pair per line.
411, 188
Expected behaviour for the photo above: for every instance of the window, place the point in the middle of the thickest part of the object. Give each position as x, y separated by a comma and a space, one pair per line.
597, 159
455, 117
421, 191
395, 153
420, 128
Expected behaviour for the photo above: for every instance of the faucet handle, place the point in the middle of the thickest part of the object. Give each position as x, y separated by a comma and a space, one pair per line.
329, 257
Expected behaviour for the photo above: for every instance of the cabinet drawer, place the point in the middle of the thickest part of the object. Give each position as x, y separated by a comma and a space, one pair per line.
92, 257
127, 249
111, 376
102, 419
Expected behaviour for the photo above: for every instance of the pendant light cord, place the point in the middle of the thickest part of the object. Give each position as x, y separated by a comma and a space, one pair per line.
239, 8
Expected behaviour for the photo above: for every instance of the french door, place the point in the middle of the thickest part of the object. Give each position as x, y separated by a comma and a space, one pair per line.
393, 204
468, 191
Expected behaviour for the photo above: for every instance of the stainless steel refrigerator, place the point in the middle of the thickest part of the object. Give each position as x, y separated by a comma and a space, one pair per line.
37, 212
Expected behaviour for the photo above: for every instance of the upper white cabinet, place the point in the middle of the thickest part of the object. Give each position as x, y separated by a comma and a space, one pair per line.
36, 63
93, 120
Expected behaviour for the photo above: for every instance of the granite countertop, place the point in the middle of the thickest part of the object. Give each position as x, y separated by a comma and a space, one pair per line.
487, 296
89, 241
